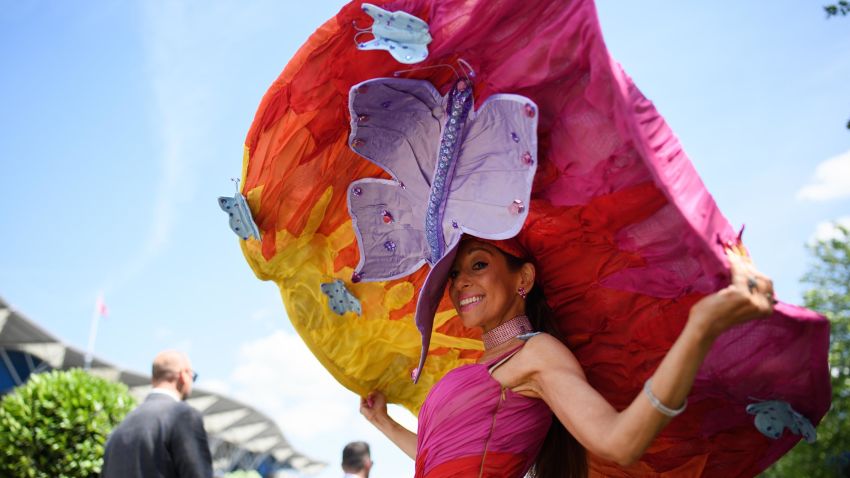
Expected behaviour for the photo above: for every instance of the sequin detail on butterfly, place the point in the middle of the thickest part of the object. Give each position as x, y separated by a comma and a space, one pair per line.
460, 102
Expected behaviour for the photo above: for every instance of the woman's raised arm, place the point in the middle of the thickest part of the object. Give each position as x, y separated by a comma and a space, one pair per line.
556, 376
374, 408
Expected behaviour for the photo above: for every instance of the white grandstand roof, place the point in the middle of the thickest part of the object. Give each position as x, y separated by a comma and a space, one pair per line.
234, 427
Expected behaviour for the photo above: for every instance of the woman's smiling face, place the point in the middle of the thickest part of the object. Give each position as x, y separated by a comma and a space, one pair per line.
482, 286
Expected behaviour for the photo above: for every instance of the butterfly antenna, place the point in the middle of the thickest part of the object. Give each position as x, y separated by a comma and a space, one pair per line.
431, 67
235, 183
361, 30
357, 35
465, 66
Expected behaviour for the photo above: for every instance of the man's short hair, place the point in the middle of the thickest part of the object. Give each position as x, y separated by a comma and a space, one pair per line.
167, 365
354, 456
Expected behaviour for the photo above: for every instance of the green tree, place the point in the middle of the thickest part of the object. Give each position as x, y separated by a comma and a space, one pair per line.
833, 10
841, 8
56, 424
829, 294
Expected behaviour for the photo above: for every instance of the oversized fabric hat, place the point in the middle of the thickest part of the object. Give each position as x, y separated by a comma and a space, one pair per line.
624, 235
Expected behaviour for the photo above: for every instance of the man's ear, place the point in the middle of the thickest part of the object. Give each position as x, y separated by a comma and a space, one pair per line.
181, 383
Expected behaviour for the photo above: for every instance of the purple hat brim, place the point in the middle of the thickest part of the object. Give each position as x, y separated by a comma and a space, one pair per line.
429, 300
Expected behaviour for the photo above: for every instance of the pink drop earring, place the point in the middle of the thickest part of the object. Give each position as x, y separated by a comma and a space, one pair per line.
522, 292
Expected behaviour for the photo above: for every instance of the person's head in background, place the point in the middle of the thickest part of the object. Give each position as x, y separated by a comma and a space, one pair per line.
173, 371
356, 460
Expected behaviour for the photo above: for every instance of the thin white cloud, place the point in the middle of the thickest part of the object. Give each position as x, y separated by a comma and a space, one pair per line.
831, 180
215, 385
267, 318
826, 230
279, 375
177, 78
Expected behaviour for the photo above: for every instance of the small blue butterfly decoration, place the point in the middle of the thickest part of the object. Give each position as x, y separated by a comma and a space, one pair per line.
406, 37
340, 300
774, 416
241, 222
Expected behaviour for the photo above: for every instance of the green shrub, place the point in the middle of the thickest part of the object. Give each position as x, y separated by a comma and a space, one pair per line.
56, 424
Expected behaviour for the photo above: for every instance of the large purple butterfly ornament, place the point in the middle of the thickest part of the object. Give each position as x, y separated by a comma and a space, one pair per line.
455, 171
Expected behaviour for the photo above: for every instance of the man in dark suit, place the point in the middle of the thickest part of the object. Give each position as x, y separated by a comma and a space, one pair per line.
163, 437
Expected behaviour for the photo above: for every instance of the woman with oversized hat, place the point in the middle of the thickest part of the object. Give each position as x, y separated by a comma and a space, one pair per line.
359, 170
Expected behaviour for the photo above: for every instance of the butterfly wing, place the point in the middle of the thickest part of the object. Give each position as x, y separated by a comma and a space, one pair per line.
352, 303
491, 188
226, 204
804, 427
329, 289
246, 217
410, 53
407, 53
388, 223
241, 222
771, 419
396, 124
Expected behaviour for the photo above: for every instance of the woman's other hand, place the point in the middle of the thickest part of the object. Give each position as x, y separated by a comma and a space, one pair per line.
749, 296
374, 407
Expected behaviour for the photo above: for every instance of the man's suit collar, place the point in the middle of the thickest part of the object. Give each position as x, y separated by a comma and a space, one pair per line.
164, 392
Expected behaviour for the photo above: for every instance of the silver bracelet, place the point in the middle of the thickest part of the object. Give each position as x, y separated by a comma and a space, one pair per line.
670, 412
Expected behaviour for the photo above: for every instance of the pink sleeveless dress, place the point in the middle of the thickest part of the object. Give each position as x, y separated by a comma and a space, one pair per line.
470, 425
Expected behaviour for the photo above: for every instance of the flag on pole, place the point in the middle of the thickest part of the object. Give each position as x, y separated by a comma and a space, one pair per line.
100, 310
100, 307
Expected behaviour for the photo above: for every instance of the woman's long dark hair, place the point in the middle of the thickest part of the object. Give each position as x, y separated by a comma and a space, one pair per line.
561, 456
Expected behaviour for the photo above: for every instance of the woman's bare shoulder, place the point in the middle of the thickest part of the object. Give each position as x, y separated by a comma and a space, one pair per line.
545, 351
545, 343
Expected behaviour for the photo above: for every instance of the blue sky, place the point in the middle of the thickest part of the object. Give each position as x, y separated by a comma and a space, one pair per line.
122, 122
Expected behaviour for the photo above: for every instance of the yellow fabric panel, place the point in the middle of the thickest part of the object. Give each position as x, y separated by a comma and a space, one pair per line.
363, 353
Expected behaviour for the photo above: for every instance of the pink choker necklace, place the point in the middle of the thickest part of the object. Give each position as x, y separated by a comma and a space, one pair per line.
511, 329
